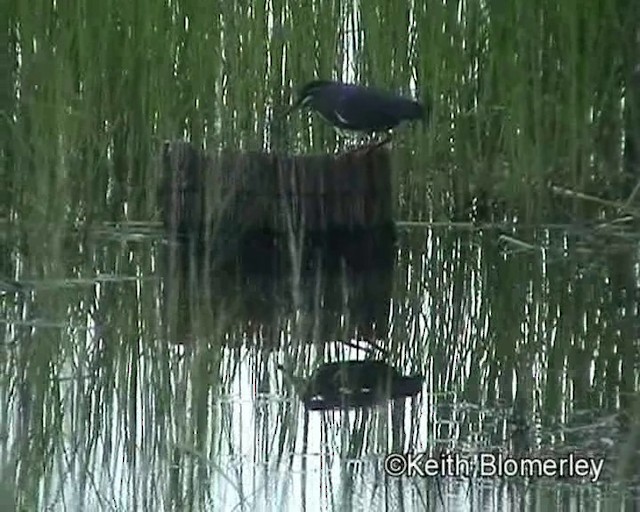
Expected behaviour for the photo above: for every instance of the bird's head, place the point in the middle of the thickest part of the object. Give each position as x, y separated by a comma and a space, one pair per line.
310, 91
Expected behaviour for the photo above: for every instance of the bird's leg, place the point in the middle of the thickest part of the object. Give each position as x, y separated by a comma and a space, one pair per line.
360, 144
385, 140
347, 136
356, 144
372, 146
367, 145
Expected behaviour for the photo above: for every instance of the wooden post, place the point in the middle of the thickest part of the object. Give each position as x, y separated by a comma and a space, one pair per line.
261, 192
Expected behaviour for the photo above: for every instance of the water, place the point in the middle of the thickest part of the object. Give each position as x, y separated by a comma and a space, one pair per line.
118, 396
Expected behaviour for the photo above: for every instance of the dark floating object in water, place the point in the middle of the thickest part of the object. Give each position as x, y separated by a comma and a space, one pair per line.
351, 384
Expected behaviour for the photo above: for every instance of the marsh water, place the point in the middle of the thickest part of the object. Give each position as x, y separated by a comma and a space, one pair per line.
138, 375
113, 401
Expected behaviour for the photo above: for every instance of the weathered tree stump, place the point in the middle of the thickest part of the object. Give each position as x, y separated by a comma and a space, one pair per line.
327, 218
272, 213
259, 192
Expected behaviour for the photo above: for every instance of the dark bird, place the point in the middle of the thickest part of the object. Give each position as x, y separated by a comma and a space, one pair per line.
358, 108
348, 384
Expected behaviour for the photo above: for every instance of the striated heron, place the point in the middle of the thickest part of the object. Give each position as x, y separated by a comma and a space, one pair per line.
358, 108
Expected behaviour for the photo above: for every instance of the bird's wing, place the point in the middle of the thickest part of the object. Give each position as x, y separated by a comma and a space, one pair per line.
368, 109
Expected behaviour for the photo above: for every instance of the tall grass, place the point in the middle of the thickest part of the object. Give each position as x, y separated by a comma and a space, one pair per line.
522, 94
